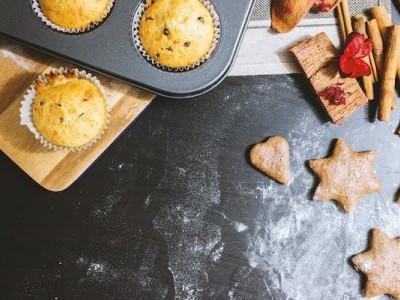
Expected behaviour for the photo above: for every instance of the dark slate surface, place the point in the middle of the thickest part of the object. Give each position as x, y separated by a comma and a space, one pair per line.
174, 209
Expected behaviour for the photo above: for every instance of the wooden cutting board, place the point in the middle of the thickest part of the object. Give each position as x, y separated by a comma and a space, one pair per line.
54, 170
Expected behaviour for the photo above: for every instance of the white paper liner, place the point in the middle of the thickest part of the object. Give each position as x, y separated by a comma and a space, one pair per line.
42, 16
136, 39
26, 110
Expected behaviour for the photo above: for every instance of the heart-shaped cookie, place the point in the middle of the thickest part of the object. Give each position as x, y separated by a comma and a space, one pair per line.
272, 158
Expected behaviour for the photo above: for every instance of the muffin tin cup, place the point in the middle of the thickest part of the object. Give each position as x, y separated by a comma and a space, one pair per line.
26, 117
136, 39
42, 16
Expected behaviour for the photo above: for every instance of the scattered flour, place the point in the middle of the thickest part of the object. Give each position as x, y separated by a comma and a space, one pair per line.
217, 253
105, 208
122, 167
95, 267
192, 241
240, 227
366, 266
147, 202
301, 247
17, 54
304, 246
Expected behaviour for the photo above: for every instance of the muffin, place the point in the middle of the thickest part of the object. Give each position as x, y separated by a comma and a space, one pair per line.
176, 33
75, 14
68, 111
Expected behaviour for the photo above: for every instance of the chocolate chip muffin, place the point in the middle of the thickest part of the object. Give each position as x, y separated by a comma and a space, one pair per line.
68, 111
176, 33
75, 14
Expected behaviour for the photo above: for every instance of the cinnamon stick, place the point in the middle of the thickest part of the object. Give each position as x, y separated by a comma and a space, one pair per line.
373, 67
382, 18
368, 81
346, 17
384, 23
377, 43
342, 26
389, 74
378, 49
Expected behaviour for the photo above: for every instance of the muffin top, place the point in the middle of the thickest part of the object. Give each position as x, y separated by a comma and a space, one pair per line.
68, 111
74, 14
176, 33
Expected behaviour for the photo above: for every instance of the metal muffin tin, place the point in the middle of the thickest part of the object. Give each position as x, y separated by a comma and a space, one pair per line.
109, 47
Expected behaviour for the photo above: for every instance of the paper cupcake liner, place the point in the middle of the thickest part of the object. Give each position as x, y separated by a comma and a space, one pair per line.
26, 110
42, 16
136, 39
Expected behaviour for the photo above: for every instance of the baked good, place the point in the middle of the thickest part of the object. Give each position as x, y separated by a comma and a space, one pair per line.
286, 14
176, 33
68, 111
346, 176
381, 265
75, 14
272, 158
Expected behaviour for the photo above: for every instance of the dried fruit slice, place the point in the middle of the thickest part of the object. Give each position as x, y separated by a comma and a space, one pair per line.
286, 14
358, 46
325, 5
354, 68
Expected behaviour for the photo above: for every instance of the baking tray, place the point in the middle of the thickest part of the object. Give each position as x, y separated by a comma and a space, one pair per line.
109, 48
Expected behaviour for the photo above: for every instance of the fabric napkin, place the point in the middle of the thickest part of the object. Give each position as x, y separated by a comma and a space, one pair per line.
264, 51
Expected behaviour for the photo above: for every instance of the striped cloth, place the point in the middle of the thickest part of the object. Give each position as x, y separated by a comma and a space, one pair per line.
266, 52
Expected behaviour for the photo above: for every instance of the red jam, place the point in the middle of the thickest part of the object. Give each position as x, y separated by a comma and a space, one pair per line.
335, 94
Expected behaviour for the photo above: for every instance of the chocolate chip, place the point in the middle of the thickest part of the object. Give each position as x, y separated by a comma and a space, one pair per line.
201, 19
61, 120
157, 55
187, 44
42, 103
84, 100
149, 18
166, 31
81, 114
58, 104
169, 49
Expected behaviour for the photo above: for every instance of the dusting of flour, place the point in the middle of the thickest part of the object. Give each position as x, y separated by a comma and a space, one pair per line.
192, 241
18, 55
303, 246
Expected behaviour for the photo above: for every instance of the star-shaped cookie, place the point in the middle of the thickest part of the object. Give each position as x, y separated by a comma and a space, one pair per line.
381, 265
346, 176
